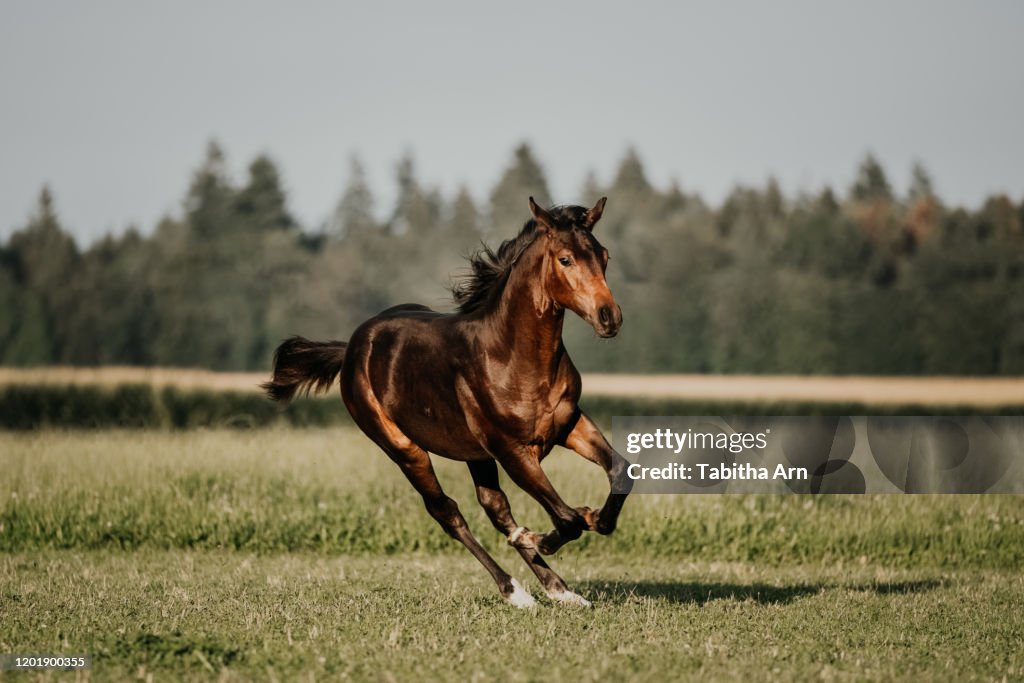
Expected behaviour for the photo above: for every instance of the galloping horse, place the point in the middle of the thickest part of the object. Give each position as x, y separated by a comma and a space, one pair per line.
489, 385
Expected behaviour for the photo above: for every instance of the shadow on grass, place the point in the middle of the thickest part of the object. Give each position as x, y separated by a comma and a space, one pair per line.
695, 592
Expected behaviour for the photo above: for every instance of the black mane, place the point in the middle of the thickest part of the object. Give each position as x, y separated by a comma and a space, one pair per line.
489, 269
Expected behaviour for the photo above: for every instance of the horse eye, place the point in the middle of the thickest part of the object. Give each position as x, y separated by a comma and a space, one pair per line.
564, 260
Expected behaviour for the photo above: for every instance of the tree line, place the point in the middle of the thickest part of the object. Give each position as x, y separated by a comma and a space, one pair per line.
861, 281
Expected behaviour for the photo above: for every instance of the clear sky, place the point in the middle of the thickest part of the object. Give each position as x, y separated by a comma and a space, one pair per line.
112, 103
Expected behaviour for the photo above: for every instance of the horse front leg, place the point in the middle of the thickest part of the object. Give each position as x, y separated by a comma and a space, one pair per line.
523, 467
587, 440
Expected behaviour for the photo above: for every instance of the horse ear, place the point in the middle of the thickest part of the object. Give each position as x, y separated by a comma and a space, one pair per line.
594, 214
543, 218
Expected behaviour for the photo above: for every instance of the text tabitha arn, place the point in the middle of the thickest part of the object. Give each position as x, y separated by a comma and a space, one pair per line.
715, 472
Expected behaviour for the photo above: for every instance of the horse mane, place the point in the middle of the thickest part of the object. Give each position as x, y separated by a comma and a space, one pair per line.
489, 269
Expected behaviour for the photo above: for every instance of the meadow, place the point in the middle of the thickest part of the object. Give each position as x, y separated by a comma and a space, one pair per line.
284, 554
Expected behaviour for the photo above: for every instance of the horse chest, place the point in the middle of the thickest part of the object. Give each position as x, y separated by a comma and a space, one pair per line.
508, 417
534, 419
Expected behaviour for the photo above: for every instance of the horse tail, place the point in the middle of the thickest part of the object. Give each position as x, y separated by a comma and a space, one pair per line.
301, 365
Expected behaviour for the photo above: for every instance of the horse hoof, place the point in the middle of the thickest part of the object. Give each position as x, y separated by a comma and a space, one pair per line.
567, 597
519, 597
548, 546
604, 526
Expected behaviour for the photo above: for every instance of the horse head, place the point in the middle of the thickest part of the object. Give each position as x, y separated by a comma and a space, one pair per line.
574, 263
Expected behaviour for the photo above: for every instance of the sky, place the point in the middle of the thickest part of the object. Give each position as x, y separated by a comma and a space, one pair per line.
112, 103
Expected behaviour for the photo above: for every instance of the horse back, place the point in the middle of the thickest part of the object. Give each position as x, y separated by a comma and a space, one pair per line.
407, 310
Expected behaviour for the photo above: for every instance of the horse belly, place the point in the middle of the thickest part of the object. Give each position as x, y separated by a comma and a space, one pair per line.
427, 410
443, 432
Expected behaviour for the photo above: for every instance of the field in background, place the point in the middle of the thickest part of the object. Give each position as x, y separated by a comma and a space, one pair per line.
161, 398
925, 391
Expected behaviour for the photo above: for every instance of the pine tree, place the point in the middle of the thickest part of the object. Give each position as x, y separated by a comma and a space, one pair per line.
43, 250
354, 213
417, 211
871, 182
630, 179
209, 202
523, 179
464, 224
826, 202
44, 257
592, 190
261, 204
920, 183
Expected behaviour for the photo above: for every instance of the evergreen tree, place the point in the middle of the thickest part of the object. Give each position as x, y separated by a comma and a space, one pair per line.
523, 179
774, 202
114, 321
761, 283
464, 224
43, 251
43, 258
920, 183
826, 202
354, 213
592, 190
871, 182
417, 211
262, 203
210, 198
630, 178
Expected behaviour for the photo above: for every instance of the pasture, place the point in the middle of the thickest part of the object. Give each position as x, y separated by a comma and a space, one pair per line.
286, 554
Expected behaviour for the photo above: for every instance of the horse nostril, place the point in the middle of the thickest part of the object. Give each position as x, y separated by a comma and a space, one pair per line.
605, 315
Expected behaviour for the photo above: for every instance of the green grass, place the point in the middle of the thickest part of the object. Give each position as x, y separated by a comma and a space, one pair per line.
206, 615
288, 554
332, 491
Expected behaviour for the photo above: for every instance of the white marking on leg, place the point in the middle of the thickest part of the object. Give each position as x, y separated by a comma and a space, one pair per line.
519, 597
516, 535
567, 597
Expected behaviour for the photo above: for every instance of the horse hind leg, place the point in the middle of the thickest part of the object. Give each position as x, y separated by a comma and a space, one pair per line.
495, 503
415, 465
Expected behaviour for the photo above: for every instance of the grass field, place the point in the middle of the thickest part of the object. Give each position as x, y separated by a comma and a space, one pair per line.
924, 391
284, 554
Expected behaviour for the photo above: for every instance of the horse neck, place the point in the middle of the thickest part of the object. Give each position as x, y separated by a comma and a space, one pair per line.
527, 321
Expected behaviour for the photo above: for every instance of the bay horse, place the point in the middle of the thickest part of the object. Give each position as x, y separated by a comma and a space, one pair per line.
490, 384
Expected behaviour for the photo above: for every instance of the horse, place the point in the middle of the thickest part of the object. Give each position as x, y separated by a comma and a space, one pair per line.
489, 384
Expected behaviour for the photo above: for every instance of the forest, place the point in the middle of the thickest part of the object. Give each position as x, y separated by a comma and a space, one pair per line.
857, 280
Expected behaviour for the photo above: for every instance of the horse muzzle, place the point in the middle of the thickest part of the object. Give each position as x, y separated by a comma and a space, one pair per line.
609, 320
